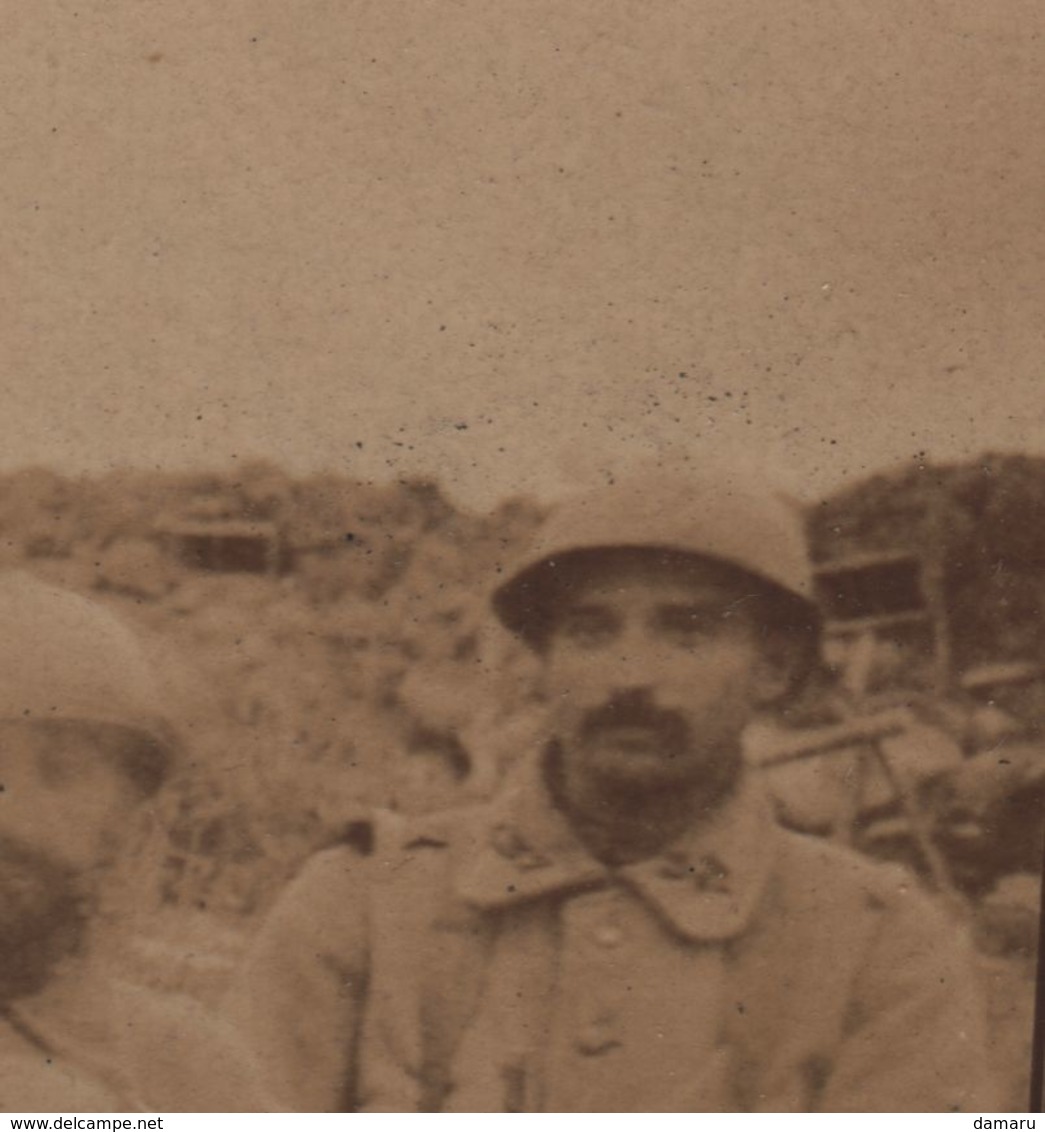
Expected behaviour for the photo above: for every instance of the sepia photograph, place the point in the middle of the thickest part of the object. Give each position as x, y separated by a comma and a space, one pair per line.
522, 557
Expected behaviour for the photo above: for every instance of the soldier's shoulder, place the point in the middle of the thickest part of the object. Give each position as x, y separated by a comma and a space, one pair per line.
184, 1057
34, 1080
441, 830
30, 1087
395, 841
836, 876
334, 865
327, 885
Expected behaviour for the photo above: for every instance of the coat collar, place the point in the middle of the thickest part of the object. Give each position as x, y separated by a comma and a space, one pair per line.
520, 847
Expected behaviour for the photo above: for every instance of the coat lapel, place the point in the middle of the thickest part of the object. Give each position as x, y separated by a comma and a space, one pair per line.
706, 886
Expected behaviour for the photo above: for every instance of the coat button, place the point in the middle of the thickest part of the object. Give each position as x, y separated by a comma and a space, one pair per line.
596, 1039
608, 935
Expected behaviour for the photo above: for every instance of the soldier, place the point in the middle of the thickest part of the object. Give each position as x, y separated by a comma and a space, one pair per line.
623, 927
83, 746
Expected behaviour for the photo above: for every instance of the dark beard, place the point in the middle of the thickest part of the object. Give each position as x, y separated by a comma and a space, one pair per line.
43, 917
627, 812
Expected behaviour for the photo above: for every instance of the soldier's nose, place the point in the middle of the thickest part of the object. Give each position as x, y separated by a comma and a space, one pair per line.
632, 668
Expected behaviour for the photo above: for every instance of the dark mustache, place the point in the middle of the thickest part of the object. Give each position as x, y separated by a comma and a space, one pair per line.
629, 711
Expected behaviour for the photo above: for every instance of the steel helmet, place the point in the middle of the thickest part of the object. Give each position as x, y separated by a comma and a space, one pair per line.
717, 515
65, 658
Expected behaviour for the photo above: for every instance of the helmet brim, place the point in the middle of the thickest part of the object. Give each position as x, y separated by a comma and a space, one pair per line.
527, 603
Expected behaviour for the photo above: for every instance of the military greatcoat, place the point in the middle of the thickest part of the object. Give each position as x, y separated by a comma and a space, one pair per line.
484, 961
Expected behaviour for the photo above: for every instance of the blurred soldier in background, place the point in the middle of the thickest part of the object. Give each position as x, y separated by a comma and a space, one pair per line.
623, 926
994, 805
83, 746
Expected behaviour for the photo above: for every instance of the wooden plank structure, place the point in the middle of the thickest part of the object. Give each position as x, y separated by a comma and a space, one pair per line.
220, 545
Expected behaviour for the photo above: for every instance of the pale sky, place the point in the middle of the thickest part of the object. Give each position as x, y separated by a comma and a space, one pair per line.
521, 243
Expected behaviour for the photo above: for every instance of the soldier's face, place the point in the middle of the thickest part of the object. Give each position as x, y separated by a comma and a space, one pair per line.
652, 676
62, 794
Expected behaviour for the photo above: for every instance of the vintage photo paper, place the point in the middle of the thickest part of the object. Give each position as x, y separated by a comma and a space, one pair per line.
523, 556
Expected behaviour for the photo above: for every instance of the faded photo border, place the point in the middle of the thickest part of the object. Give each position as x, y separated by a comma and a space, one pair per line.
314, 315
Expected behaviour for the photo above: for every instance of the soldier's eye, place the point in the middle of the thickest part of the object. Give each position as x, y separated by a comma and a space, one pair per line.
587, 625
58, 767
